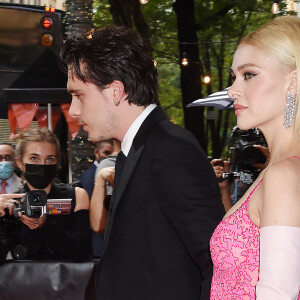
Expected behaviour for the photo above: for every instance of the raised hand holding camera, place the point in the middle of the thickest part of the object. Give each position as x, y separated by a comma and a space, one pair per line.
7, 203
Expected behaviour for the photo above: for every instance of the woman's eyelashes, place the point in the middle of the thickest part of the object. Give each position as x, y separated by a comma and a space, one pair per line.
248, 75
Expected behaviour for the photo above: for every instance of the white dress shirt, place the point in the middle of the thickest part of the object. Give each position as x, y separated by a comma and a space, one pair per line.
133, 129
13, 184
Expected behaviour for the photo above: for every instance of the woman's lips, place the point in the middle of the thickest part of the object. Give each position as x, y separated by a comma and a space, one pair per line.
238, 109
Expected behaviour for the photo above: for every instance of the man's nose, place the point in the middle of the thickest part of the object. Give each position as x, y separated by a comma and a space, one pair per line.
74, 110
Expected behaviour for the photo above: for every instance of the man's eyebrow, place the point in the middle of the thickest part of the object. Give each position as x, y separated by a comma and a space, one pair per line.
72, 91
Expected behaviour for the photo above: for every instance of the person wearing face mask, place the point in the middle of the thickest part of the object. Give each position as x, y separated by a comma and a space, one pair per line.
50, 236
9, 181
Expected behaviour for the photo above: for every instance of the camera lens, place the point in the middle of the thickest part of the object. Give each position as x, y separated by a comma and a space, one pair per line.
37, 200
252, 155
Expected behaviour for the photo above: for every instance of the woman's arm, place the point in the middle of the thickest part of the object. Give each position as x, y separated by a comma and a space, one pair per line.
98, 213
82, 199
279, 211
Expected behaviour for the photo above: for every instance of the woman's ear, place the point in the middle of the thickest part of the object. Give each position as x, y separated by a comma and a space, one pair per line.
20, 164
293, 87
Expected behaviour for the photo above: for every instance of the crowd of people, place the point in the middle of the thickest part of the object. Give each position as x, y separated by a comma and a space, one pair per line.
153, 192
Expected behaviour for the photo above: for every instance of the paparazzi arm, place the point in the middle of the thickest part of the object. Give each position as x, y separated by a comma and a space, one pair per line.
82, 199
98, 213
7, 202
220, 167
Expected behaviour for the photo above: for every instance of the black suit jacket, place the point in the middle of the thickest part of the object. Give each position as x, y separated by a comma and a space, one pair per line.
87, 179
162, 215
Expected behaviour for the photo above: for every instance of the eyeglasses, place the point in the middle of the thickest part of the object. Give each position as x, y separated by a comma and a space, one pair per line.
6, 157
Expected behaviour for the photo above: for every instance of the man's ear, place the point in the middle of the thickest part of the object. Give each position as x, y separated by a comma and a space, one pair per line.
293, 83
117, 89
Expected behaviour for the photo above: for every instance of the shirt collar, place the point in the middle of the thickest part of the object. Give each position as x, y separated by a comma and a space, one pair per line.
9, 180
133, 129
96, 163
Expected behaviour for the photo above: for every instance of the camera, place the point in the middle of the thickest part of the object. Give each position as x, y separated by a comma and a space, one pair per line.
243, 154
33, 204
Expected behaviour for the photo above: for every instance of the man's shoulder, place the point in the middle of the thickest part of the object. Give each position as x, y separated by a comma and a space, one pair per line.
173, 132
89, 171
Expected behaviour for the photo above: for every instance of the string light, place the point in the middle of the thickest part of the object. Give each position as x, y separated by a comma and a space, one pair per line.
275, 7
143, 1
184, 61
206, 79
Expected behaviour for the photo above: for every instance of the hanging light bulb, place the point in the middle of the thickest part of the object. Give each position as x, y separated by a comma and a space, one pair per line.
206, 79
275, 7
184, 61
143, 1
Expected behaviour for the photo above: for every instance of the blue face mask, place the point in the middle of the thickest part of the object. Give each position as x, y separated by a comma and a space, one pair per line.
6, 169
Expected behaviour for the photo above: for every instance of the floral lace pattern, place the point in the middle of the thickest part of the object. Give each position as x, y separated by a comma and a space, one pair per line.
234, 250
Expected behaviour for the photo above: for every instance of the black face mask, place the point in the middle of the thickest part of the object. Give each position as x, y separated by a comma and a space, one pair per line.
39, 176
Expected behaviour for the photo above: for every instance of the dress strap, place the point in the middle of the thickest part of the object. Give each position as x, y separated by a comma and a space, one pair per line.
252, 192
295, 156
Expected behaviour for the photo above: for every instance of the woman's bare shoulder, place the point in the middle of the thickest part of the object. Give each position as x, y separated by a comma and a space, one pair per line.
280, 194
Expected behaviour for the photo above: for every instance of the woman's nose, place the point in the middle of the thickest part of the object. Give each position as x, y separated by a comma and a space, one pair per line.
233, 92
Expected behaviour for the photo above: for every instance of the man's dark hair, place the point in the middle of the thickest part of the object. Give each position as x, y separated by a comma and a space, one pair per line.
114, 53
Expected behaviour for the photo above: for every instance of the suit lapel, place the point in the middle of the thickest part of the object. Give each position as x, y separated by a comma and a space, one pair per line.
131, 161
133, 157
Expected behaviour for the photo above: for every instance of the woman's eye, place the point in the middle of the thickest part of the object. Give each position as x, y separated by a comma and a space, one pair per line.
50, 160
248, 75
34, 158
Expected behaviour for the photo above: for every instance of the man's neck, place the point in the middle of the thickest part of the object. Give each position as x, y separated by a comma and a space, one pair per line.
134, 127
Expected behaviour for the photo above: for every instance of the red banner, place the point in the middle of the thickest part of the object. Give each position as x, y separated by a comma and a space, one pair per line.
21, 114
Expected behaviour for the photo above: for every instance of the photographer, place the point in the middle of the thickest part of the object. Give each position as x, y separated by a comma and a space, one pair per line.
52, 236
246, 160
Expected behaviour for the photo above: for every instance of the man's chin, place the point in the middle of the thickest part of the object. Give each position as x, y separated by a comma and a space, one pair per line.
96, 139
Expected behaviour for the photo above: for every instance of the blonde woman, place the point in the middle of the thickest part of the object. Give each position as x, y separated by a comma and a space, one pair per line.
255, 249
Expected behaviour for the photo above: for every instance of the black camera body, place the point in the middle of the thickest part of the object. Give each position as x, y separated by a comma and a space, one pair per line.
33, 204
246, 155
243, 154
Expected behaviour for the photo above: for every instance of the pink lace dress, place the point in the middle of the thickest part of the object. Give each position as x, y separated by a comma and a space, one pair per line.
234, 250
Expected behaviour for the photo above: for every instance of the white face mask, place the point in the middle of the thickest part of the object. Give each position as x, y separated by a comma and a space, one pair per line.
6, 169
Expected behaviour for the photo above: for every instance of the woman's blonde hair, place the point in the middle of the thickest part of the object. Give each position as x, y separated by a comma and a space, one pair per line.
33, 135
280, 38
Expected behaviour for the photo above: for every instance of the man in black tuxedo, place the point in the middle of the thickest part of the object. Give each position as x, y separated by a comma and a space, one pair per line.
166, 201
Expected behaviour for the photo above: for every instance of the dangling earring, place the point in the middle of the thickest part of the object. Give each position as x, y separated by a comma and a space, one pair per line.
289, 110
